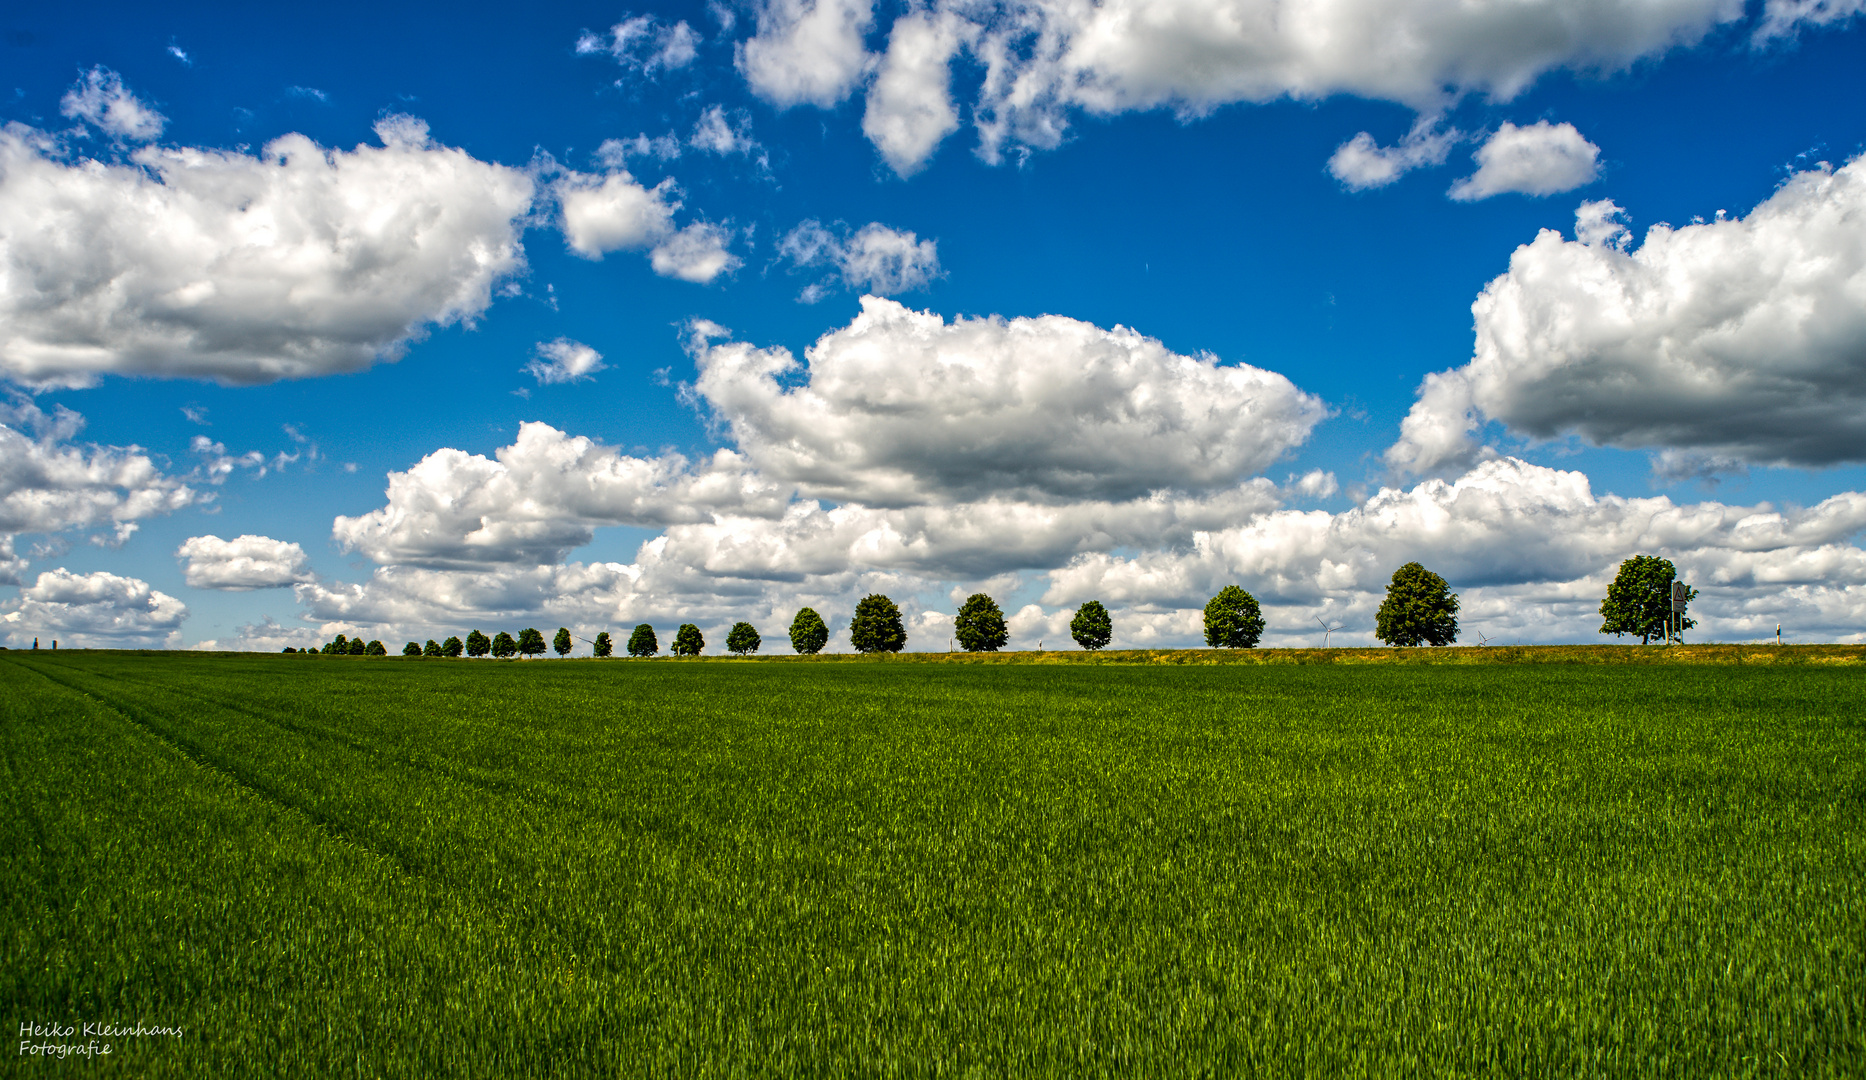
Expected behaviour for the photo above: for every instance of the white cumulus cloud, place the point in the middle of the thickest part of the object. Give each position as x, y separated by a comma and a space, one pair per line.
245, 268
1362, 163
910, 108
698, 253
1046, 60
565, 361
807, 51
1541, 159
49, 485
95, 610
644, 43
1738, 338
541, 497
875, 258
613, 212
100, 99
242, 564
901, 407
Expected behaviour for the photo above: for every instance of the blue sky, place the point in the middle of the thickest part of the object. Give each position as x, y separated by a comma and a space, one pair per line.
1160, 298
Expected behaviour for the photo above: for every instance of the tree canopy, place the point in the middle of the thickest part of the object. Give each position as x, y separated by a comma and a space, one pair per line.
412, 649
561, 643
1420, 609
688, 641
478, 644
374, 648
432, 648
1233, 620
743, 638
808, 632
979, 626
1092, 628
643, 642
602, 645
531, 641
503, 645
877, 626
451, 647
1640, 599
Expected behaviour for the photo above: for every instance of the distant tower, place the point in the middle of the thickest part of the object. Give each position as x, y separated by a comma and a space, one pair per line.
35, 644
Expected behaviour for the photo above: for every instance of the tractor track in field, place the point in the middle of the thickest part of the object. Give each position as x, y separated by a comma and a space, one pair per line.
199, 756
543, 802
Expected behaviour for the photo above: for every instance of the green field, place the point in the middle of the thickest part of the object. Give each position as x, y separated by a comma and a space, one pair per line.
348, 867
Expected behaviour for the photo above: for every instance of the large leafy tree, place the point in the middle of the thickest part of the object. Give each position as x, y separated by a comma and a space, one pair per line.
412, 649
1420, 609
1640, 599
979, 626
432, 648
375, 648
561, 643
688, 641
1233, 620
743, 638
643, 642
877, 626
602, 646
452, 647
531, 641
477, 644
358, 647
503, 645
808, 632
1092, 628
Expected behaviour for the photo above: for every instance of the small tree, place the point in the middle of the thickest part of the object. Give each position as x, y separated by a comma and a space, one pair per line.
358, 647
478, 644
412, 649
642, 642
687, 640
561, 643
432, 648
530, 642
1640, 599
1233, 620
339, 645
979, 626
1420, 609
451, 648
808, 634
743, 638
877, 626
602, 646
1092, 628
375, 648
504, 646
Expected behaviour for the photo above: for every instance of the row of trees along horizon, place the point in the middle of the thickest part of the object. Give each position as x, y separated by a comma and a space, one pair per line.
1419, 609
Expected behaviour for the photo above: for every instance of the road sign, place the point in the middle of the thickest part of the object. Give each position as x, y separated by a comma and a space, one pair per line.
1680, 591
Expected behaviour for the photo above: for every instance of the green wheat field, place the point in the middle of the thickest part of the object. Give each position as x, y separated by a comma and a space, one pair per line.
1496, 863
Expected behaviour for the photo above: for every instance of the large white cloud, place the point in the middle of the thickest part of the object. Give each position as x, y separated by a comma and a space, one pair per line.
245, 268
1743, 339
95, 610
807, 51
902, 408
1541, 159
541, 497
1044, 60
243, 563
49, 485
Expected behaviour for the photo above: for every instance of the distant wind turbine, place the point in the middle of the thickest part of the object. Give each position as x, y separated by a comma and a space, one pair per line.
1326, 630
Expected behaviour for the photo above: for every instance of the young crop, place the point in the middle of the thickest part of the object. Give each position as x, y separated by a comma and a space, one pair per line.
828, 869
